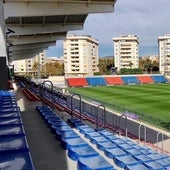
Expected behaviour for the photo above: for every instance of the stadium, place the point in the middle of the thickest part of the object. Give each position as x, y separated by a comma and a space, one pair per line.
87, 104
75, 124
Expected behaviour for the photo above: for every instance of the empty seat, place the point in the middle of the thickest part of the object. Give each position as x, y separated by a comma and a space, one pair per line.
13, 142
95, 163
114, 152
145, 79
76, 153
136, 167
69, 142
143, 158
130, 80
77, 82
114, 80
19, 160
91, 135
125, 161
154, 165
159, 79
96, 81
106, 145
10, 120
11, 129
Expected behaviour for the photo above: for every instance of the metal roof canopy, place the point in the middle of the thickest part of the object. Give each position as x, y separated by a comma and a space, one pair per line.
35, 21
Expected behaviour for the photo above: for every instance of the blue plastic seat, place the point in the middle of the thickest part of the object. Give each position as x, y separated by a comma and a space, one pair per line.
105, 133
65, 134
60, 128
10, 114
136, 167
91, 135
117, 141
54, 121
78, 142
134, 152
157, 156
85, 129
16, 160
114, 152
10, 120
94, 163
9, 109
125, 161
143, 158
11, 129
164, 162
85, 151
97, 140
154, 165
126, 146
106, 145
13, 142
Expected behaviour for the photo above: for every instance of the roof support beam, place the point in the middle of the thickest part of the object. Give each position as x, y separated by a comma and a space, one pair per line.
38, 29
32, 46
46, 8
18, 40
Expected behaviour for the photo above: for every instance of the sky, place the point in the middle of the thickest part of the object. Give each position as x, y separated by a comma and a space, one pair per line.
147, 19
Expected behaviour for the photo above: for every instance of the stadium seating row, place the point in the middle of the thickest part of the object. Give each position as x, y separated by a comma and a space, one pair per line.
78, 150
115, 80
125, 153
14, 150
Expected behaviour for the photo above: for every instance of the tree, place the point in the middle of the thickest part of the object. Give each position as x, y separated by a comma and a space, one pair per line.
148, 65
105, 65
54, 69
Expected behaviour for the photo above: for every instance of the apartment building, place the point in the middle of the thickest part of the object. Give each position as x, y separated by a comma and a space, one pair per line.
29, 66
80, 55
126, 51
164, 54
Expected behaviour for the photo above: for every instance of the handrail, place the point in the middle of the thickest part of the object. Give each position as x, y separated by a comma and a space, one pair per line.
159, 133
139, 132
114, 120
120, 123
52, 97
92, 108
72, 115
103, 116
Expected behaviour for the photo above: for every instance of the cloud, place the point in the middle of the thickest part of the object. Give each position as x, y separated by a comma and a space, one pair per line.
147, 19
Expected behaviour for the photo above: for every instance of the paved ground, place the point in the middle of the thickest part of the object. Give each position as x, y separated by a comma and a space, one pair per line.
45, 149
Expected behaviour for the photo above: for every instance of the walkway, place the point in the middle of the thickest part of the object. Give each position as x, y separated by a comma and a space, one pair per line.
45, 149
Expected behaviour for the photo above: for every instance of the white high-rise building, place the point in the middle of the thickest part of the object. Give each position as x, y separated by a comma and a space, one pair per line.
164, 54
25, 67
126, 51
80, 55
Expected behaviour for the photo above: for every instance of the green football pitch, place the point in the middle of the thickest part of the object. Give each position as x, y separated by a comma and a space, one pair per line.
151, 101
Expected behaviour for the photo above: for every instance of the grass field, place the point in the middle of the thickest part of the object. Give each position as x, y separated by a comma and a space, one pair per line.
152, 101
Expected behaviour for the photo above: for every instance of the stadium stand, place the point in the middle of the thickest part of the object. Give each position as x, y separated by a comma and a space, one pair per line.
145, 79
130, 80
126, 153
96, 81
78, 149
159, 79
114, 80
14, 150
77, 82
